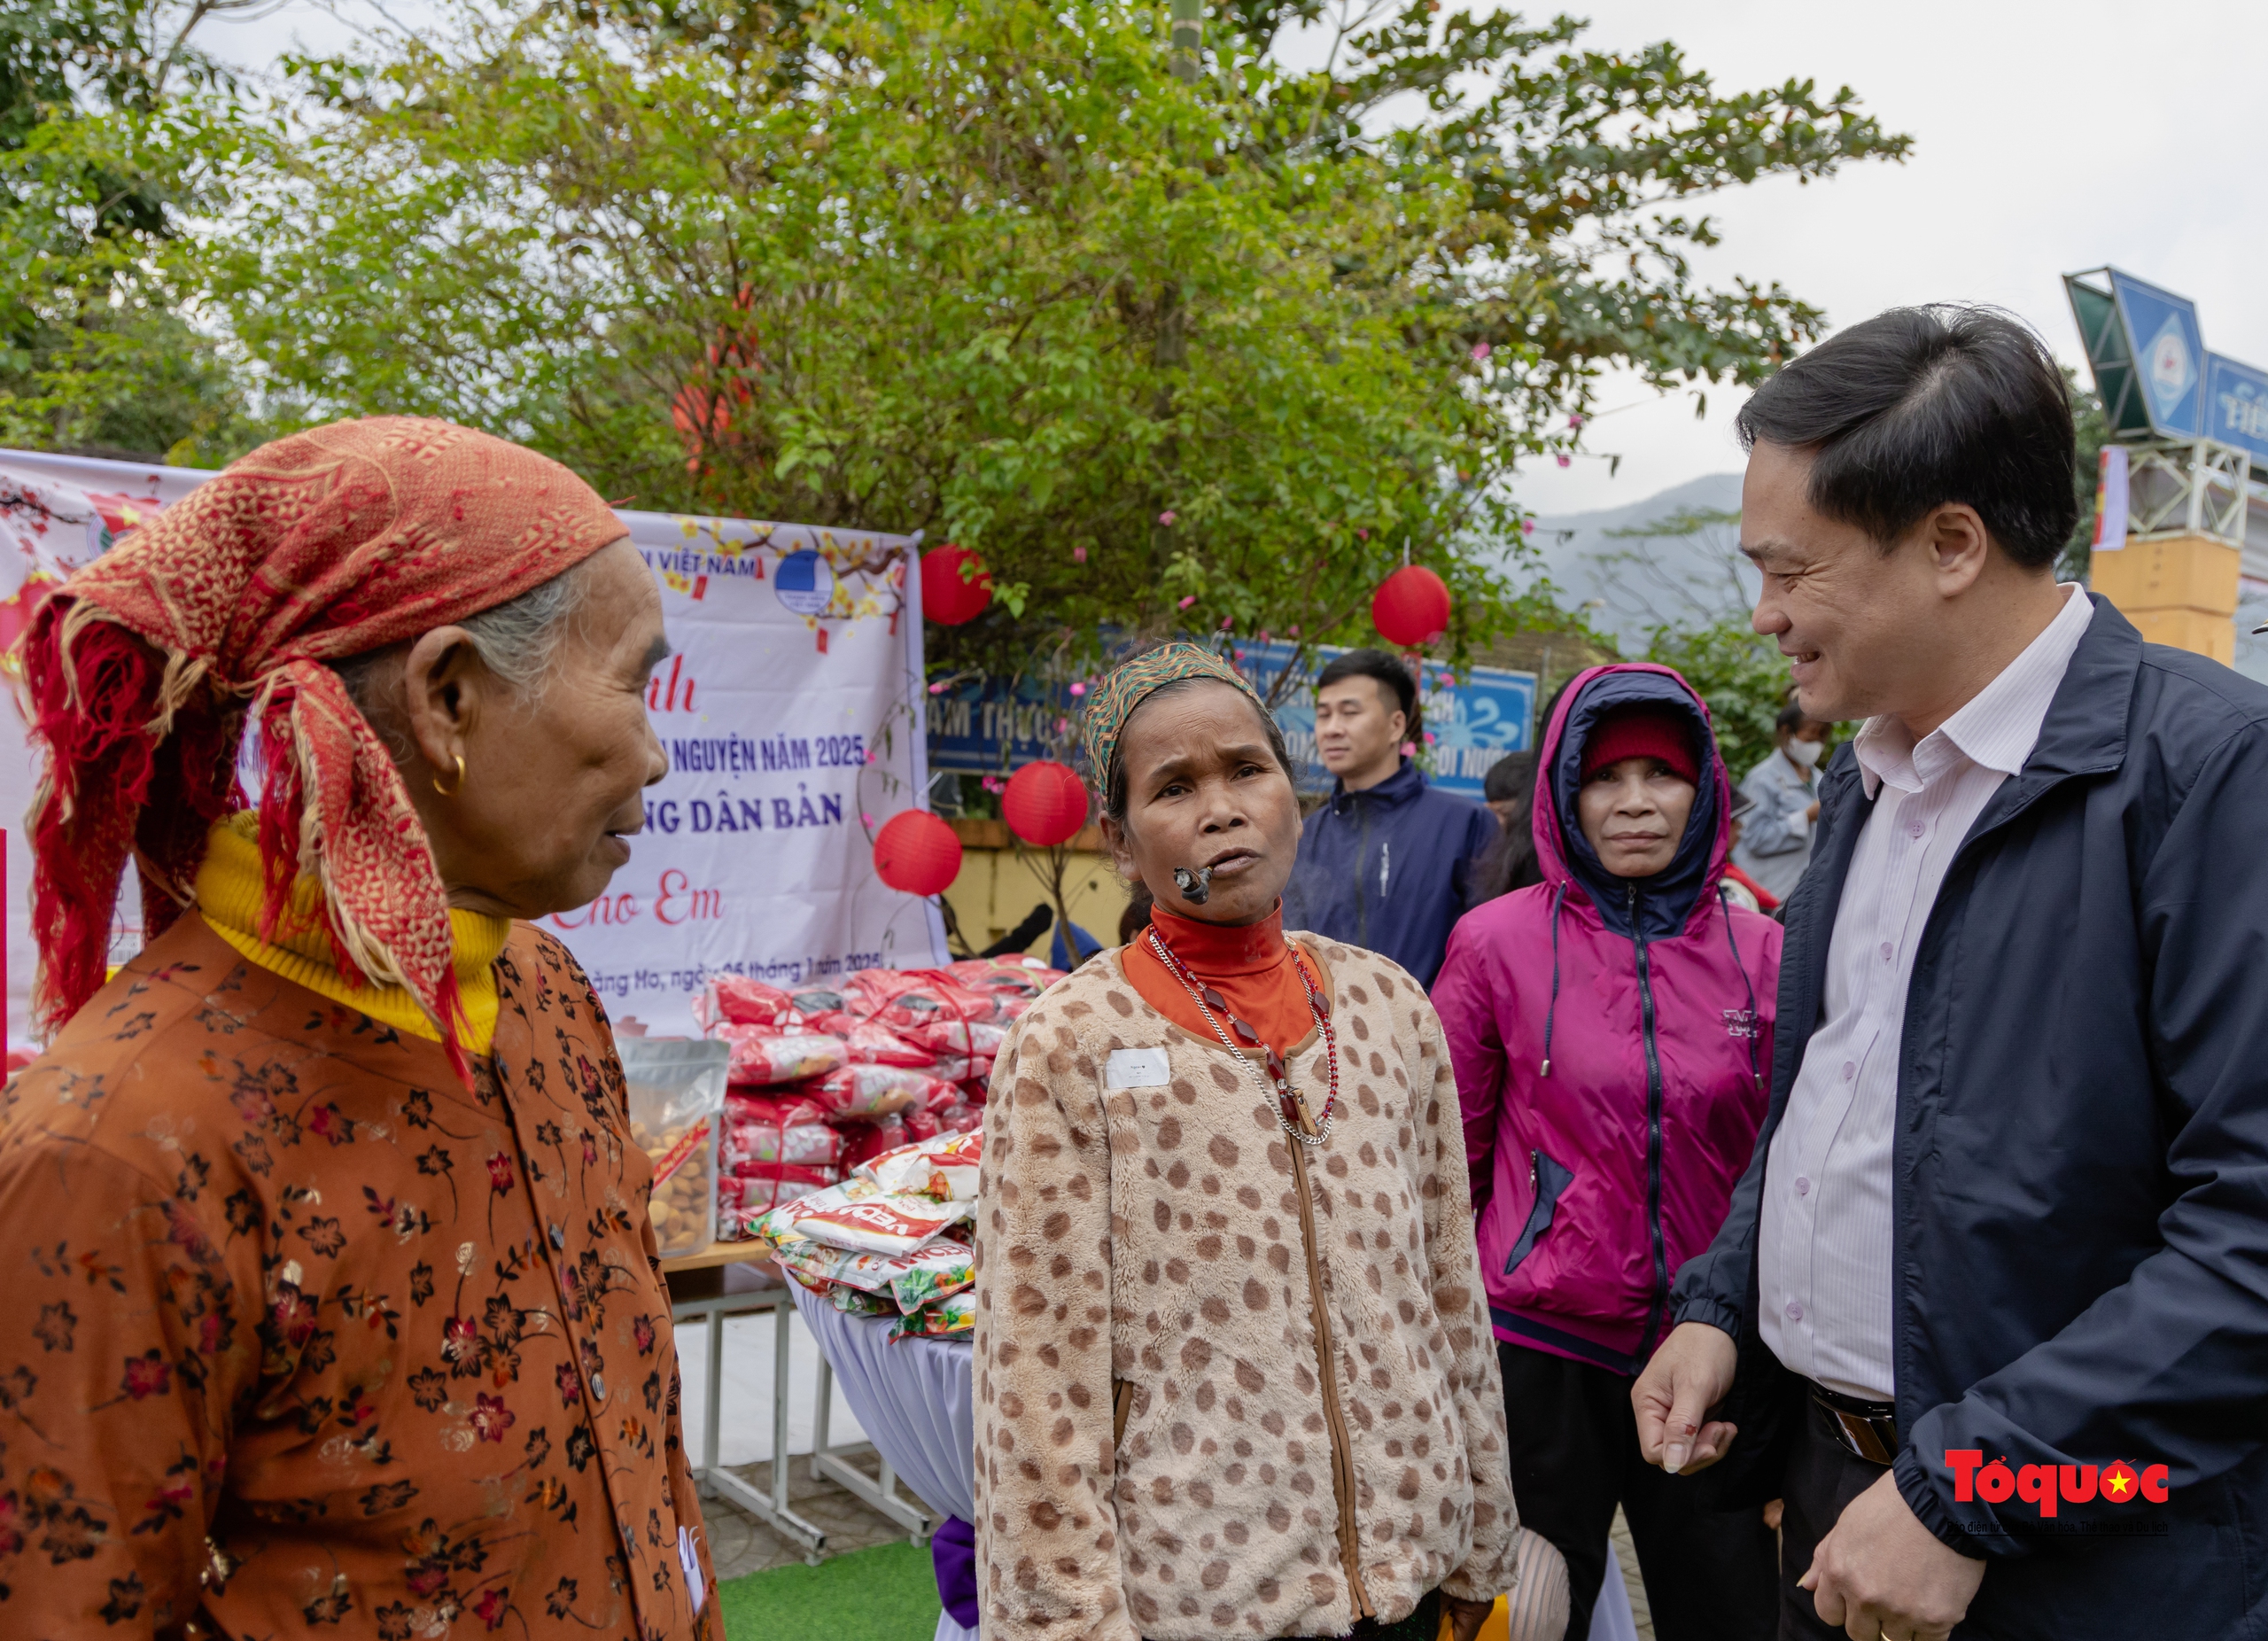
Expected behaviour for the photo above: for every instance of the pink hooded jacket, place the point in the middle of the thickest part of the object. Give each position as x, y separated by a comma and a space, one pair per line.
1612, 1042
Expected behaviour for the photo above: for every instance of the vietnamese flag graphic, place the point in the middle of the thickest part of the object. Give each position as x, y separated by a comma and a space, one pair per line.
2120, 1484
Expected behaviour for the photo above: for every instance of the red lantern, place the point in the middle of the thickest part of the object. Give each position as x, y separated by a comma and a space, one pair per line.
1412, 607
947, 598
1045, 804
916, 853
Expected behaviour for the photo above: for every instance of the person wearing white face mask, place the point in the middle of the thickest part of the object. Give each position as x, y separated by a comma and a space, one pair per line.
1774, 843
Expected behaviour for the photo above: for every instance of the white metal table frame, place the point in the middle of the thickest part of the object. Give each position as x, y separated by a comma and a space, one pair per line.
715, 1481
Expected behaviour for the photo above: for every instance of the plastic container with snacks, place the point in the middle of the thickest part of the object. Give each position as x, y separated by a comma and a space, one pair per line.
677, 1103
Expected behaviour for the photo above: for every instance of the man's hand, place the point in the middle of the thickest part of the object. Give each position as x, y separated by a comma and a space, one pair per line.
1880, 1574
1688, 1375
1466, 1617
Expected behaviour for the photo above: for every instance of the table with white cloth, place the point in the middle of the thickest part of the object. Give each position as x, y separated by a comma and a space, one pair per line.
912, 1396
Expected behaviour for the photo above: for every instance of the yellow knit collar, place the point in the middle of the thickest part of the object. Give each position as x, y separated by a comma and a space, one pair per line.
229, 891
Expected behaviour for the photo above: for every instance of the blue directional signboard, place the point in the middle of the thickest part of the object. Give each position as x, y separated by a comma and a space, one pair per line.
2168, 353
2236, 406
2151, 368
1474, 716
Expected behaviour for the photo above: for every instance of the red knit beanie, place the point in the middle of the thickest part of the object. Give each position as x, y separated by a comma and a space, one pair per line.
1643, 731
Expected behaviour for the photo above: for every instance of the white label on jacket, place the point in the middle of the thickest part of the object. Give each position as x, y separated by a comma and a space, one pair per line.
1136, 1067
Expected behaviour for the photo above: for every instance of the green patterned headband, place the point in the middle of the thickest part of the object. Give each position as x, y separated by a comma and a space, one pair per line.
1134, 682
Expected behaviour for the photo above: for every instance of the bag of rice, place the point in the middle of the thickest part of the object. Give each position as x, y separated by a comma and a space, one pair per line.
903, 998
964, 1068
944, 1267
878, 1046
875, 1091
817, 1263
954, 1315
765, 1055
858, 1216
975, 1039
1006, 978
742, 1200
736, 1001
944, 1168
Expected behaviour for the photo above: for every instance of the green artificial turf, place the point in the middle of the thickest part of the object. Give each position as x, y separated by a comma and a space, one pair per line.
888, 1593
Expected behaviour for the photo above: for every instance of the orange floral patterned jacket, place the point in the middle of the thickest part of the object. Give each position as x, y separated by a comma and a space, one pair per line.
300, 1336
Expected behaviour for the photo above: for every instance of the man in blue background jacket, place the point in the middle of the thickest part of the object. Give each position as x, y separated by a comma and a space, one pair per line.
1991, 1307
1387, 863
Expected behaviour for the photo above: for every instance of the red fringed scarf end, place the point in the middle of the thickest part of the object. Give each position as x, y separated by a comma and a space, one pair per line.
92, 696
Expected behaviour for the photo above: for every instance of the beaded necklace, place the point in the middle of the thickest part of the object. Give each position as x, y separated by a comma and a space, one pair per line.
1288, 1102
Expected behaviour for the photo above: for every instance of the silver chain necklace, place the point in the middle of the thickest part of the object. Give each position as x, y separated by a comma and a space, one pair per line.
1287, 1101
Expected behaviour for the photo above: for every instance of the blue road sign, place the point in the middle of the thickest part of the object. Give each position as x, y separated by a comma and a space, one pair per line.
2169, 354
2236, 404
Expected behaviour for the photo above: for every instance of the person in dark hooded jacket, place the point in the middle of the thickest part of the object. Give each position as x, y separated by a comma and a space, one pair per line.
1610, 1029
1388, 862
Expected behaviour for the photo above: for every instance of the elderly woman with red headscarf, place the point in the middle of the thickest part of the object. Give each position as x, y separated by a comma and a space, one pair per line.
330, 1305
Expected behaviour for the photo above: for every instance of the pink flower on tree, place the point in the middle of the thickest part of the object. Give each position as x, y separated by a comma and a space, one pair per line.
1078, 689
1566, 460
1186, 601
1078, 555
1481, 350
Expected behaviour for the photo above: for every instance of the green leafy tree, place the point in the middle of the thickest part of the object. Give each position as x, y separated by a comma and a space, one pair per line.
104, 156
1743, 677
1209, 354
2093, 429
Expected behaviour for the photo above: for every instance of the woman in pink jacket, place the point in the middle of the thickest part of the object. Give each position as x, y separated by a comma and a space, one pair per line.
1610, 1029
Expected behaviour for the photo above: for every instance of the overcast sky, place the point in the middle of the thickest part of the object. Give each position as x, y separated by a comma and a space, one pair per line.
2048, 139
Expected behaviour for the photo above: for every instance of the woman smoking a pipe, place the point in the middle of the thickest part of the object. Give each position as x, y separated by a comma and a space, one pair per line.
1234, 1372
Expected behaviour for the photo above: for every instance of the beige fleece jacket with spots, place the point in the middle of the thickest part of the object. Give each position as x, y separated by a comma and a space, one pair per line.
1143, 1224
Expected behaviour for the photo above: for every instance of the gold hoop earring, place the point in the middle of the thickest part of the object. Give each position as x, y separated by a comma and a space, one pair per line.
447, 791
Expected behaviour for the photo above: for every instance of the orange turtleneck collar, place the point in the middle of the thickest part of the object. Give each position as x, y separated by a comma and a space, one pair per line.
1250, 965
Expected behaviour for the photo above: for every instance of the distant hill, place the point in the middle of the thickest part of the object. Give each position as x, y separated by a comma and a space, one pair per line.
1624, 584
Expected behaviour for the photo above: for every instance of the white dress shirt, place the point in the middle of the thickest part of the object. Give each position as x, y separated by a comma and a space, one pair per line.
1825, 1271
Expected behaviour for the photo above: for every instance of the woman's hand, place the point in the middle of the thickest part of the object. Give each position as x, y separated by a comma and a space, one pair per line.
1466, 1617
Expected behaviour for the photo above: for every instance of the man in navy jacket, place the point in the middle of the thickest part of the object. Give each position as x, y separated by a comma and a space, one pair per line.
1387, 863
1991, 1308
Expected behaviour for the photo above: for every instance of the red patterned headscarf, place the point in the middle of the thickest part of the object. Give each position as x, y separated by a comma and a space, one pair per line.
141, 670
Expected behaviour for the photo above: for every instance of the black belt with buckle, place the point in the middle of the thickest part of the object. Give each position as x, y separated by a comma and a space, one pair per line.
1866, 1430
